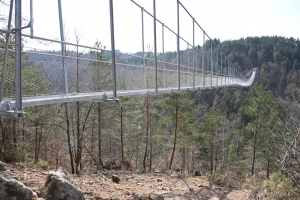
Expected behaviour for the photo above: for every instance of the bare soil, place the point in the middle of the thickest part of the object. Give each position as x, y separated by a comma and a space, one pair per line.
134, 185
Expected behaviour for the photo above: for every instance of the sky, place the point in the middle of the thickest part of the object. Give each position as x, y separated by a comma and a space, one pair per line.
222, 19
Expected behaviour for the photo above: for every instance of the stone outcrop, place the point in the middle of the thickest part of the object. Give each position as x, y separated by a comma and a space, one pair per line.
153, 196
11, 189
58, 186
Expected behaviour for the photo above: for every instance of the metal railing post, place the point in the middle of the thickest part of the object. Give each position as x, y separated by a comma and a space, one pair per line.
155, 46
211, 64
217, 66
193, 53
230, 73
188, 63
229, 67
227, 71
178, 48
221, 70
6, 50
163, 53
203, 57
113, 52
31, 18
196, 68
234, 70
143, 47
63, 46
224, 71
18, 58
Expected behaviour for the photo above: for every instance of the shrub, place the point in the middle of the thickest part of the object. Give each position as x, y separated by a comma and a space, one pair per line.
279, 187
42, 164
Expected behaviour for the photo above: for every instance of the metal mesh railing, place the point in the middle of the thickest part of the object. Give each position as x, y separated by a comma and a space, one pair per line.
86, 69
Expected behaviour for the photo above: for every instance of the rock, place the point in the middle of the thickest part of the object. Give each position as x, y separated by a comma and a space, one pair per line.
236, 194
11, 189
115, 178
2, 167
197, 173
214, 187
213, 198
58, 186
155, 197
112, 165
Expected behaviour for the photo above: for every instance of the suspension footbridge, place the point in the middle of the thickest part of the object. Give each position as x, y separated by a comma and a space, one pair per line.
76, 72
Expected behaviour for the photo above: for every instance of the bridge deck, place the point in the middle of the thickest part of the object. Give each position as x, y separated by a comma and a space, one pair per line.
8, 105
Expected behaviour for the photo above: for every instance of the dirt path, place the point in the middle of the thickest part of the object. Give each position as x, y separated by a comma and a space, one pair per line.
133, 186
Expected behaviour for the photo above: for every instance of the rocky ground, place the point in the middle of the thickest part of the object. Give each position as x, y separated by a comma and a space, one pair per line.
129, 185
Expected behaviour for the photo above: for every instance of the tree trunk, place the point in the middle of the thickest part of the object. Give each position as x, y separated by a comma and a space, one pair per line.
254, 146
2, 138
79, 141
99, 137
110, 150
216, 163
147, 134
212, 153
69, 139
137, 151
92, 144
216, 153
121, 132
150, 141
223, 147
175, 133
78, 135
193, 159
183, 159
268, 168
36, 157
23, 130
229, 153
39, 142
15, 132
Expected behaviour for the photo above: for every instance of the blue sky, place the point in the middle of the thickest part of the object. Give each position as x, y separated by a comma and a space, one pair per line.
223, 19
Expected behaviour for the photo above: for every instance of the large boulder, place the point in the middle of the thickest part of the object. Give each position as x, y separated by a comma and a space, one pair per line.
153, 196
2, 166
58, 186
11, 189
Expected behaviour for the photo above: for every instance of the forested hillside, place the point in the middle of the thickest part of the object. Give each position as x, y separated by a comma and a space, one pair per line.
219, 132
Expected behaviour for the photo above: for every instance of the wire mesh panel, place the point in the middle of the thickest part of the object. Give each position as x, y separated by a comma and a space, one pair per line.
8, 79
186, 68
89, 75
198, 71
130, 73
42, 74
